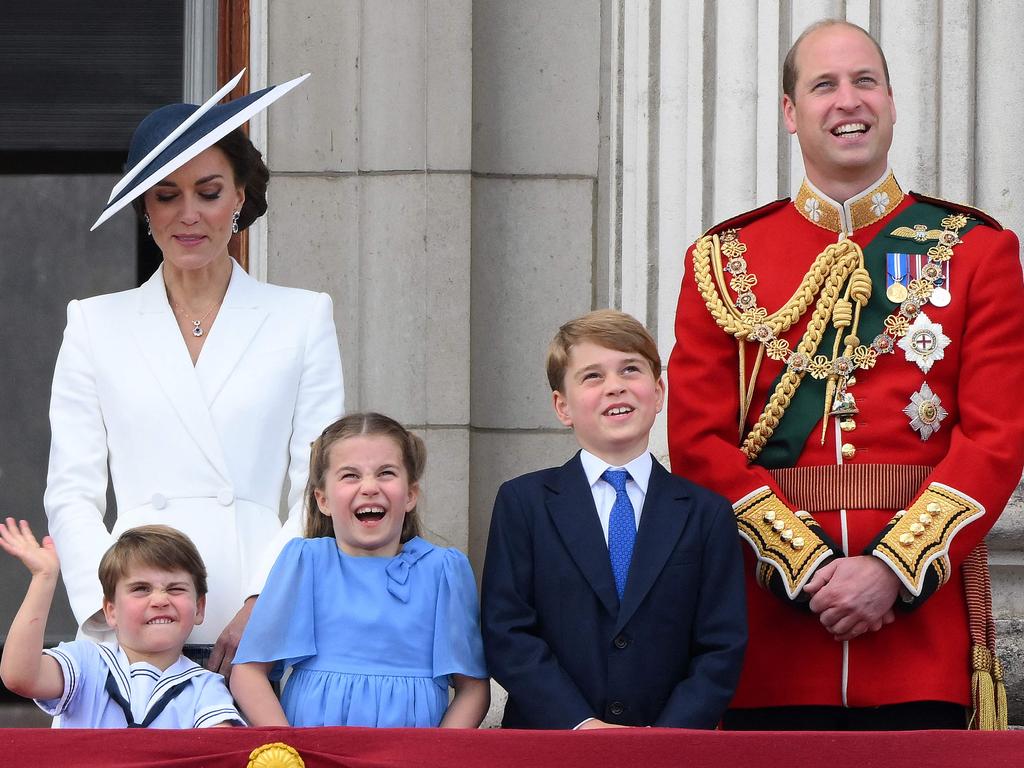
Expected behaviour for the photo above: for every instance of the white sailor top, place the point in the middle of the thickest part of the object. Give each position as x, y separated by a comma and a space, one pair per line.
102, 689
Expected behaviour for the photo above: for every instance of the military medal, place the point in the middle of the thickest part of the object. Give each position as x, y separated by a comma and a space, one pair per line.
925, 412
940, 296
924, 342
897, 277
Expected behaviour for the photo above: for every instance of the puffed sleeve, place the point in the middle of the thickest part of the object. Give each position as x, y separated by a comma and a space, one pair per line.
320, 401
458, 648
76, 481
282, 624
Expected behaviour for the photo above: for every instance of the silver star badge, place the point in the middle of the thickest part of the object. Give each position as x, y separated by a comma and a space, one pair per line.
925, 412
924, 343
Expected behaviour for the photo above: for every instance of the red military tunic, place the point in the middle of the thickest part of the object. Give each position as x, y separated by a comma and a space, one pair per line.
856, 477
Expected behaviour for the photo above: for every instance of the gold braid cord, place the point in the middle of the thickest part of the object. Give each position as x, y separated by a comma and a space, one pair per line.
918, 538
786, 542
831, 270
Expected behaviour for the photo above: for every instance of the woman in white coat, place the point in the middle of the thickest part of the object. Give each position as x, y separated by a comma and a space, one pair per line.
201, 390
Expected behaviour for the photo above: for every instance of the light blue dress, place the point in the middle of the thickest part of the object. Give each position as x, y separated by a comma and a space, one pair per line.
371, 640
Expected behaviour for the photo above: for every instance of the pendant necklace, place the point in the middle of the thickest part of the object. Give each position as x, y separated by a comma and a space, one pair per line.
197, 325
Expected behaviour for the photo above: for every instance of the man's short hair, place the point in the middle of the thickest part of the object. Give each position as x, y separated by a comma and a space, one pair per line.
156, 546
789, 73
607, 328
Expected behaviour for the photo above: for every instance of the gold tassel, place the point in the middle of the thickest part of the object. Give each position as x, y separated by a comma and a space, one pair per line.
1002, 719
983, 693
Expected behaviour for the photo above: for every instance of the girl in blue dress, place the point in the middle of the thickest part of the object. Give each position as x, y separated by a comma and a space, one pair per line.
375, 622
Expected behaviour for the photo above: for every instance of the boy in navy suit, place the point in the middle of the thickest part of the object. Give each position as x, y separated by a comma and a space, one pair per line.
612, 590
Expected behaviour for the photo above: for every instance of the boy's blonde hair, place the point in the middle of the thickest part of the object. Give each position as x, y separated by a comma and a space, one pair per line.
414, 458
607, 328
156, 546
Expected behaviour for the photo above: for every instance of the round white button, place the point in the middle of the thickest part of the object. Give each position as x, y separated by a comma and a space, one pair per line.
225, 496
159, 501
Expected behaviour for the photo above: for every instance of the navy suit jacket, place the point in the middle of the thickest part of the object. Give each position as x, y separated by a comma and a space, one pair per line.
558, 640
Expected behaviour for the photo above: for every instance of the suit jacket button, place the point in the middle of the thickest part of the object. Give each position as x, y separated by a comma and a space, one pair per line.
617, 708
159, 501
621, 641
225, 497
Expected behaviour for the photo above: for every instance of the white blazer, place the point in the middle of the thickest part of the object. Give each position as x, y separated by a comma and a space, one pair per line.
204, 448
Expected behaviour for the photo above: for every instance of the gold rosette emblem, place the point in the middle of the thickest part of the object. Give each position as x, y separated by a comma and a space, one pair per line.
275, 755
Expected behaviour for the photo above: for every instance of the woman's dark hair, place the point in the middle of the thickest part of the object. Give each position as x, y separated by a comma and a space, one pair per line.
249, 171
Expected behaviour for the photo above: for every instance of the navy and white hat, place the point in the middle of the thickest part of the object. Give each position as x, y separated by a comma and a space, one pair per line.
169, 137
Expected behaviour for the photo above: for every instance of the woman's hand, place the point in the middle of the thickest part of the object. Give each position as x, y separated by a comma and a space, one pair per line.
223, 653
16, 539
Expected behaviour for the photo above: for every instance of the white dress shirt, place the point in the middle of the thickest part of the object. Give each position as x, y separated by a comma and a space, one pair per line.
604, 494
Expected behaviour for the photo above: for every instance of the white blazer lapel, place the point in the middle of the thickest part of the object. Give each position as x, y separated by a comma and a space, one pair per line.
240, 318
160, 343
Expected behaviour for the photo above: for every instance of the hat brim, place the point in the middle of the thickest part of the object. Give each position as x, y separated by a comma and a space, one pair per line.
201, 130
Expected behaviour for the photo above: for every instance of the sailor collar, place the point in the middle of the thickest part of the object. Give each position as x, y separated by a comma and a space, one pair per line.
874, 203
121, 670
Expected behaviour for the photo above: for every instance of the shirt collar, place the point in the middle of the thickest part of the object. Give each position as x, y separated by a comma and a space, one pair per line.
639, 468
861, 210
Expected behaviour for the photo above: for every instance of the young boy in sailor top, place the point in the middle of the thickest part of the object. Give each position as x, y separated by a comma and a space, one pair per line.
154, 593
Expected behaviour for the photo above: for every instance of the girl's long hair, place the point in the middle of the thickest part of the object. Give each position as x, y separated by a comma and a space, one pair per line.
414, 457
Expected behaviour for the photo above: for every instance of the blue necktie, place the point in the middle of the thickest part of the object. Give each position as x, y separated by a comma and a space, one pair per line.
621, 528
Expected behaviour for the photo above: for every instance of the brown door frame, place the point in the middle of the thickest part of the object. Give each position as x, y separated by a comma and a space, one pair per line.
233, 55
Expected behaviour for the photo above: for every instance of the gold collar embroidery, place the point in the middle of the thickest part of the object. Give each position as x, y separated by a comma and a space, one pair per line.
874, 203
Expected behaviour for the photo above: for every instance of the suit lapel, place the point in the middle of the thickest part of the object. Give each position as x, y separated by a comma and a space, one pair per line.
159, 342
237, 323
571, 506
661, 525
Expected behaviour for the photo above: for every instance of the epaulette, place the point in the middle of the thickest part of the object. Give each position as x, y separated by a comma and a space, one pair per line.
745, 218
960, 207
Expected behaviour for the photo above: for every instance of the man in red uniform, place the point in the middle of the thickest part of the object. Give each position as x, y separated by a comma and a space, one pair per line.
868, 334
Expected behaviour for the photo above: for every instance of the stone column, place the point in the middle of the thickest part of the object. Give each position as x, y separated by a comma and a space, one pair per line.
370, 201
536, 131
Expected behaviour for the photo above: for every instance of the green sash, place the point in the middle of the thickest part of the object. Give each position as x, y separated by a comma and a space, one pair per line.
805, 410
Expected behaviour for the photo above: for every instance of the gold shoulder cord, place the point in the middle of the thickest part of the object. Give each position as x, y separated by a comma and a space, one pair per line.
839, 265
831, 269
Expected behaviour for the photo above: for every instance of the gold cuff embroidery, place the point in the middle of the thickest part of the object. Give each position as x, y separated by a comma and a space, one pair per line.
782, 539
921, 535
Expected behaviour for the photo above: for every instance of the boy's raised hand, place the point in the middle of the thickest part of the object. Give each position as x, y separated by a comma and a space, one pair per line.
16, 538
23, 667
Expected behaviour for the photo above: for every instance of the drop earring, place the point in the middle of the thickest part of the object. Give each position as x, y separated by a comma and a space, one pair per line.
149, 227
234, 222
